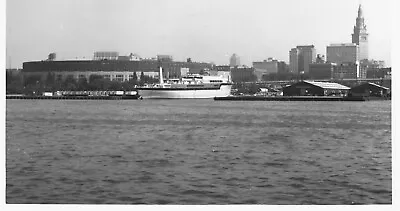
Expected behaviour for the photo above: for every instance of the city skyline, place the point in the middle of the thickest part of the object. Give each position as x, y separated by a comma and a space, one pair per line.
205, 31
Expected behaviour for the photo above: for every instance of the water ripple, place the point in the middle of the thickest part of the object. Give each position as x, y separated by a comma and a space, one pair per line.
198, 152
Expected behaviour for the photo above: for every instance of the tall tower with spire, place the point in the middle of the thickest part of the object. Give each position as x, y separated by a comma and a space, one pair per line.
360, 35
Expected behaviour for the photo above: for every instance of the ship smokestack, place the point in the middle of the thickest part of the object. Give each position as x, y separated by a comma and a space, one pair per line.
161, 76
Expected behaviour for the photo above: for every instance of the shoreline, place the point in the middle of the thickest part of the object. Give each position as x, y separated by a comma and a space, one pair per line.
299, 98
123, 97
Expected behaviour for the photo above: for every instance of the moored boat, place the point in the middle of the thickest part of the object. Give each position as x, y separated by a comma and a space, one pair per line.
192, 86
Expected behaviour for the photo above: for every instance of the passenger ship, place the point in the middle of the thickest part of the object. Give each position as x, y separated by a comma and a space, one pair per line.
191, 86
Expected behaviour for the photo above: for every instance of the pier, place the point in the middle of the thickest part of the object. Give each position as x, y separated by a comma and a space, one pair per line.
298, 98
23, 97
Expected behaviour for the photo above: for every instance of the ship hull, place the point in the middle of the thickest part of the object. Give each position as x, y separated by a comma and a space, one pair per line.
188, 93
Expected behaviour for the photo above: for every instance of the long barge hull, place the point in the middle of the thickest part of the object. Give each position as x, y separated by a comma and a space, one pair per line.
185, 93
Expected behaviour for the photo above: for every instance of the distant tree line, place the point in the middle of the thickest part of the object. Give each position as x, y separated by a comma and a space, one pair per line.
16, 84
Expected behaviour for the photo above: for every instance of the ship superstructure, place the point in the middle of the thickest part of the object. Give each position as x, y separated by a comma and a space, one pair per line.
189, 86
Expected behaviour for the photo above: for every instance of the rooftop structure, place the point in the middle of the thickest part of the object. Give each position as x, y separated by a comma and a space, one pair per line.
105, 55
327, 85
369, 89
322, 70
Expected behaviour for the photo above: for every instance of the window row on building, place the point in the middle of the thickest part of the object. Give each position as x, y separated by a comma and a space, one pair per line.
112, 76
337, 71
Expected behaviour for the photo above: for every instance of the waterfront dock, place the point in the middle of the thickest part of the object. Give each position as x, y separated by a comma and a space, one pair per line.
298, 98
23, 97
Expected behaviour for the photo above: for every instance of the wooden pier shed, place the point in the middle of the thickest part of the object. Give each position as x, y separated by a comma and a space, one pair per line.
314, 88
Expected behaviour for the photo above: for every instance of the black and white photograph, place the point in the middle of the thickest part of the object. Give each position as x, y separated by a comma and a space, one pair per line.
198, 102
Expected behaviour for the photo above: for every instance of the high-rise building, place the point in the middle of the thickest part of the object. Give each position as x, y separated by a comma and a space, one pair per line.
282, 67
342, 53
309, 56
351, 58
347, 70
367, 65
301, 57
243, 74
234, 61
294, 60
360, 35
322, 71
346, 56
267, 66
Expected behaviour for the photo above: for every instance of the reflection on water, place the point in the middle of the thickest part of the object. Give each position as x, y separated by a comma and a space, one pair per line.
198, 152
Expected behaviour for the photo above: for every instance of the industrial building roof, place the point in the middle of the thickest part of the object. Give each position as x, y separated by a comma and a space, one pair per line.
327, 85
382, 87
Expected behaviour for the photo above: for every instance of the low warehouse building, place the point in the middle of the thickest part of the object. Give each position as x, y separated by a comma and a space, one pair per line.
313, 88
369, 89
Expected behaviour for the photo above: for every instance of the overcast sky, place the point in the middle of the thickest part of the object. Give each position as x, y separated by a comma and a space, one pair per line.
205, 30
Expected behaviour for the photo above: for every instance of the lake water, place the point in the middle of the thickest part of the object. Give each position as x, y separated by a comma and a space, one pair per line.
198, 152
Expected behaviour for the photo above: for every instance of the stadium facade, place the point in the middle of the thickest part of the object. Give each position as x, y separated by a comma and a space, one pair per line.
113, 69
